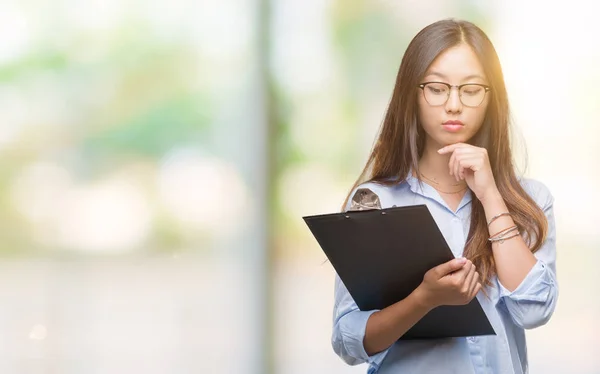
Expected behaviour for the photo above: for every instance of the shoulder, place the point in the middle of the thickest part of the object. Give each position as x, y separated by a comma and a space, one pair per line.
538, 191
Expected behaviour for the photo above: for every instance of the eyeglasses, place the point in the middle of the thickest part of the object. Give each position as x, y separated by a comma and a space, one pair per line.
470, 94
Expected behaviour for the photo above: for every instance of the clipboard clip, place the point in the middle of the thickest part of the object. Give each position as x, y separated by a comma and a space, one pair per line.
364, 199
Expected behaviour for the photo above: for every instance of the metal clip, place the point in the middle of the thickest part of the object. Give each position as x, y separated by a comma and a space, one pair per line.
365, 199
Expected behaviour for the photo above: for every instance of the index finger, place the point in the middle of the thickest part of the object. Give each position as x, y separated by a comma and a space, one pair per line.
451, 266
450, 148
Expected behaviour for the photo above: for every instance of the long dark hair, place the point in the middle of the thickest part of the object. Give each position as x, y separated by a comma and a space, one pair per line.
401, 139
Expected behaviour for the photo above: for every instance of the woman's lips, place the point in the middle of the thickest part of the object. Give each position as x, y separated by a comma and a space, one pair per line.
452, 126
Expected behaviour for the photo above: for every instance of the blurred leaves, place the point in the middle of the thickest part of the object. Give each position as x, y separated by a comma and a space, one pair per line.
42, 60
155, 130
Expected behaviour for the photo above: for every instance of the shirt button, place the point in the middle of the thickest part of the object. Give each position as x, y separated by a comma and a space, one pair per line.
455, 219
471, 339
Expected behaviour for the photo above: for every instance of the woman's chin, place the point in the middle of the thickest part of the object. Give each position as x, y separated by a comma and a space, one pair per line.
451, 139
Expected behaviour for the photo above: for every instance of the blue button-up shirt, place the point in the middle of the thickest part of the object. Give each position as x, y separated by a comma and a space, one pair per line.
530, 305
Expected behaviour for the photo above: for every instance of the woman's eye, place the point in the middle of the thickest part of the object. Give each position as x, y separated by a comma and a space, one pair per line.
471, 90
438, 90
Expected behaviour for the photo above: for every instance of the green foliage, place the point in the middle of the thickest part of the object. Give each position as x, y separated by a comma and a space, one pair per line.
154, 130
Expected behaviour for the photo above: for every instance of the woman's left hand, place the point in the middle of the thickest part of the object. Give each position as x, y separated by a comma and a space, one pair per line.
472, 164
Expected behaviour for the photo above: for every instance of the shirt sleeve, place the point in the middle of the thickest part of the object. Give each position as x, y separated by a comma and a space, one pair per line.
349, 322
532, 303
349, 326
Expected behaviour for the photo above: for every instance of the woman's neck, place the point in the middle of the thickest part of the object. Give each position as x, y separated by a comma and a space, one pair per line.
434, 167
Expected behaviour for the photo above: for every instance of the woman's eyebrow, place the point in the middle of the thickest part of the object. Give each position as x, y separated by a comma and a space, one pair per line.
437, 74
472, 76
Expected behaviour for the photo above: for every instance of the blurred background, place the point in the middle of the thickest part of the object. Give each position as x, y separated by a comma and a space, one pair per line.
157, 157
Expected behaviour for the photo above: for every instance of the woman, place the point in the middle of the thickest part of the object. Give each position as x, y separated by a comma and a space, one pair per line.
445, 143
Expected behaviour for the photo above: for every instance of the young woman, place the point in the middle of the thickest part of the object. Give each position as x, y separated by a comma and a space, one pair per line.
445, 143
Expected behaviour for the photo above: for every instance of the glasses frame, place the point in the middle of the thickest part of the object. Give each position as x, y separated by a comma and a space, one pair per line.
458, 87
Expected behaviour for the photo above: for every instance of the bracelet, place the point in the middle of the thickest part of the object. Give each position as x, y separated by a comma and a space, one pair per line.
502, 239
501, 236
504, 232
497, 216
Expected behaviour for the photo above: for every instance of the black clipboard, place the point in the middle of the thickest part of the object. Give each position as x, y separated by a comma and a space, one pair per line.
381, 255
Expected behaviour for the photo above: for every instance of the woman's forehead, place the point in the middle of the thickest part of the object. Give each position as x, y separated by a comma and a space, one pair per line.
457, 63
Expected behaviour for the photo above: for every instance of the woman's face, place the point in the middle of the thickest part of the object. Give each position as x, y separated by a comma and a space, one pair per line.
452, 121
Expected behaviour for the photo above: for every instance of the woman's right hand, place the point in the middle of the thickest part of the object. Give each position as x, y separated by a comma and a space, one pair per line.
455, 282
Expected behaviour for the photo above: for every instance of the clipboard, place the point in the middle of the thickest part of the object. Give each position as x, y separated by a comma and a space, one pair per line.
381, 256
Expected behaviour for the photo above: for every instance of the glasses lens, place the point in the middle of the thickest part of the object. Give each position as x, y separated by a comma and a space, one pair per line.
472, 94
436, 93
